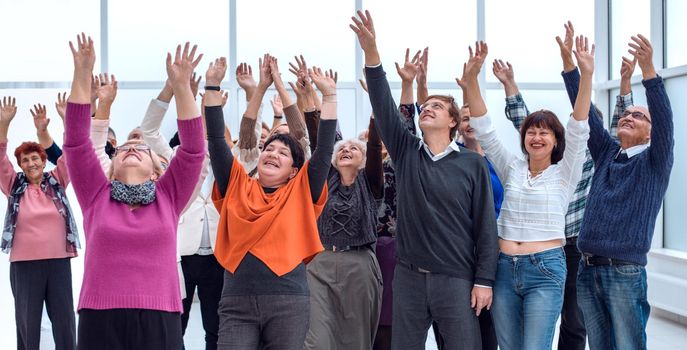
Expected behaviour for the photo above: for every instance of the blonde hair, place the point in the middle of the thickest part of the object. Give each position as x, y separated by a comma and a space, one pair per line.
158, 170
339, 145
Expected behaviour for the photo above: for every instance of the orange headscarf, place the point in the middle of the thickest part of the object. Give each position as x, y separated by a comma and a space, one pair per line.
279, 228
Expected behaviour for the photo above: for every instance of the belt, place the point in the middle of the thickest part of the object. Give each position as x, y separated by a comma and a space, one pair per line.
347, 248
412, 267
595, 260
571, 241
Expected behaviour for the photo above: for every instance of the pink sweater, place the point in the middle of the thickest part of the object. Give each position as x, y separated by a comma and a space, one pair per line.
130, 259
40, 232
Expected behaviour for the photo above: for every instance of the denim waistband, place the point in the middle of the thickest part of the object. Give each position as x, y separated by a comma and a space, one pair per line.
549, 253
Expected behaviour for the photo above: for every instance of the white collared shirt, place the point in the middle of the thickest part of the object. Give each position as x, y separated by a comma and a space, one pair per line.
453, 146
634, 150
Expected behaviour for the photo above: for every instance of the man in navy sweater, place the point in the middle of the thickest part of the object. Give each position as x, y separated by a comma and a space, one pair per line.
627, 190
447, 243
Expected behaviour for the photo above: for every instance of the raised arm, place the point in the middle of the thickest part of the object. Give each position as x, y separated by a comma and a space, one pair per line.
516, 109
107, 93
8, 109
374, 170
421, 78
221, 158
387, 117
294, 119
566, 47
41, 121
278, 109
662, 128
624, 98
320, 162
499, 155
152, 120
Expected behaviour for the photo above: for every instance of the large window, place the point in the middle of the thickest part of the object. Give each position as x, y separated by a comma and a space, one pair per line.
628, 18
523, 33
676, 32
36, 34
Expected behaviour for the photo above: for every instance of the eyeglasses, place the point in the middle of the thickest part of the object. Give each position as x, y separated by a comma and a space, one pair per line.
636, 115
136, 146
433, 105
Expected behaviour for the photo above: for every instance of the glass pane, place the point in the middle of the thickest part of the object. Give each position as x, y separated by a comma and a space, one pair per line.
36, 36
675, 219
142, 32
317, 29
523, 33
628, 18
676, 31
402, 24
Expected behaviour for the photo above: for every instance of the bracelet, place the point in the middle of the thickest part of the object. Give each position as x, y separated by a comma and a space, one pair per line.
278, 116
215, 88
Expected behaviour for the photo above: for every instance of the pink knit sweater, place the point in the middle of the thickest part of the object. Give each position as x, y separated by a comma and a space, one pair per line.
130, 259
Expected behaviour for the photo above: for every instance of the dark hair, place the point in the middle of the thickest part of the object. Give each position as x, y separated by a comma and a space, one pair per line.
174, 141
547, 120
30, 147
297, 153
453, 110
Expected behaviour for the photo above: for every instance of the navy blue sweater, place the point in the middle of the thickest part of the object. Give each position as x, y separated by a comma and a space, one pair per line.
625, 196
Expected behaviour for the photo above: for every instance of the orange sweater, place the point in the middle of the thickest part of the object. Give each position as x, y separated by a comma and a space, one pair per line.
279, 228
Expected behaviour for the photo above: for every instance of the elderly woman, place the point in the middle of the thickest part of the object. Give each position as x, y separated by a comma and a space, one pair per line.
268, 226
130, 296
40, 234
347, 273
528, 291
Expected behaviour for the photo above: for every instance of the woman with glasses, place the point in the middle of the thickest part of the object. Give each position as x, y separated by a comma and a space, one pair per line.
130, 297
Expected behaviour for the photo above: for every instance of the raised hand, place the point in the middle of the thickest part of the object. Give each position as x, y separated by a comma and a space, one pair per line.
225, 97
324, 81
106, 91
216, 72
463, 80
95, 84
83, 53
195, 83
503, 71
180, 69
566, 46
410, 67
421, 76
8, 109
364, 29
61, 104
627, 68
584, 55
274, 71
277, 106
642, 51
265, 72
40, 118
475, 60
300, 68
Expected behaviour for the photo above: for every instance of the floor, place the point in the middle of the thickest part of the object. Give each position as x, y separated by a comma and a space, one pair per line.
663, 333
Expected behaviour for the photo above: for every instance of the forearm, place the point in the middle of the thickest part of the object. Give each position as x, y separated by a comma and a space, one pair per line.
276, 121
474, 98
4, 128
312, 120
166, 93
54, 153
102, 112
516, 110
81, 86
44, 139
422, 92
584, 98
407, 92
320, 162
254, 104
221, 158
374, 170
186, 103
295, 121
511, 88
328, 107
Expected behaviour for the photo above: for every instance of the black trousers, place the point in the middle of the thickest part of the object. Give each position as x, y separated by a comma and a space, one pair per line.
205, 273
572, 333
487, 333
125, 329
33, 283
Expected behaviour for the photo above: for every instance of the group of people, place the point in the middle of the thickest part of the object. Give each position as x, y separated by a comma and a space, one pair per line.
297, 238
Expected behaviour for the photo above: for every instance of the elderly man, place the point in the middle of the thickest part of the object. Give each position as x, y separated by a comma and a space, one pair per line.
627, 190
447, 244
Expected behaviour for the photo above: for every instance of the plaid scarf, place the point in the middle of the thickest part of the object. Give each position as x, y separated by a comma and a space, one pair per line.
52, 188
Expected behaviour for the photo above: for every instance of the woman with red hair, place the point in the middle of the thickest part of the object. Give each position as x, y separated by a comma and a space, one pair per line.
39, 234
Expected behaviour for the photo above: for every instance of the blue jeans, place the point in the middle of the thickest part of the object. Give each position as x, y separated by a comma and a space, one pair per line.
528, 296
614, 306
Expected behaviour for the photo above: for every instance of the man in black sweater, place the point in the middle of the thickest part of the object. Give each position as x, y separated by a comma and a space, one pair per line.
446, 225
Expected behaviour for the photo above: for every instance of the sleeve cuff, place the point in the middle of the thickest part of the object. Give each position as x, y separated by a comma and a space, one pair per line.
652, 82
482, 286
578, 126
483, 282
161, 104
481, 124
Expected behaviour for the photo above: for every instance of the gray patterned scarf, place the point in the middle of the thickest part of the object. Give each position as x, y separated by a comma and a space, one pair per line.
52, 188
133, 194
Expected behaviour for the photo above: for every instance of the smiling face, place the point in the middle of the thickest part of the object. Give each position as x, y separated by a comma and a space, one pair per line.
349, 154
435, 116
275, 165
464, 129
542, 137
634, 127
539, 142
32, 165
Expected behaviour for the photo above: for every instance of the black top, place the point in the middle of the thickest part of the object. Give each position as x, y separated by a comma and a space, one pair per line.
252, 276
446, 220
